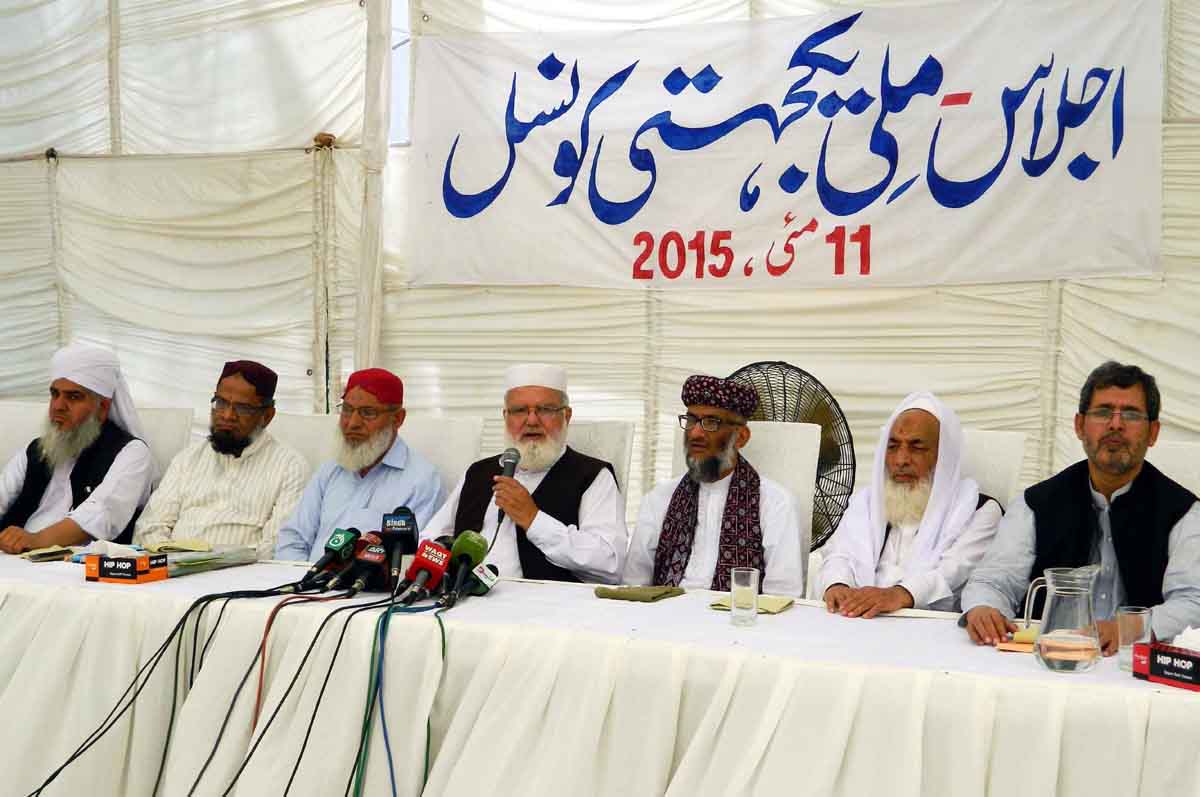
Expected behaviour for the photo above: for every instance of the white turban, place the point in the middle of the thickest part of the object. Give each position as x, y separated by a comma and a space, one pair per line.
952, 501
100, 372
536, 374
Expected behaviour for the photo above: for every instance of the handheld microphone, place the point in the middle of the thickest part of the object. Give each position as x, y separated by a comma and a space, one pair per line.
508, 461
399, 531
482, 579
338, 548
469, 550
426, 571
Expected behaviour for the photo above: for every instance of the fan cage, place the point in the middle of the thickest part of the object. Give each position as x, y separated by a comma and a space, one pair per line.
790, 394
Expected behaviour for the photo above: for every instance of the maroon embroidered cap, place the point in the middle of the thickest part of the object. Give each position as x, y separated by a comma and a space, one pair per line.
716, 392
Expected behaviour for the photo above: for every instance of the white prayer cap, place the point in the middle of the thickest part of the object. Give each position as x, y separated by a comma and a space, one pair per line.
536, 374
100, 372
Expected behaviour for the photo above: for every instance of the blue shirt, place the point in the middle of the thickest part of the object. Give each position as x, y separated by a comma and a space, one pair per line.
1002, 577
337, 498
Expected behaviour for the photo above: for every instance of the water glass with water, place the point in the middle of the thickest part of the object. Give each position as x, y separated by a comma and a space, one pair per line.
743, 595
1133, 625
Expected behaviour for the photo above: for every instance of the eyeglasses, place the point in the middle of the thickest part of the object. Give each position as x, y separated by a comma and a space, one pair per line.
366, 413
1106, 414
544, 411
243, 410
709, 423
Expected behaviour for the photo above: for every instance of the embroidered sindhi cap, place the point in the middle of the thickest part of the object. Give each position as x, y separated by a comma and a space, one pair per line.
716, 392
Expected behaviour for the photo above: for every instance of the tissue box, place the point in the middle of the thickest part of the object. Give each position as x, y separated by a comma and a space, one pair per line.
1167, 664
125, 569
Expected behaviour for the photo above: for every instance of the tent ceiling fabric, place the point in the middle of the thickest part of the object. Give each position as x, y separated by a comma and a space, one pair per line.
185, 66
54, 74
29, 300
182, 261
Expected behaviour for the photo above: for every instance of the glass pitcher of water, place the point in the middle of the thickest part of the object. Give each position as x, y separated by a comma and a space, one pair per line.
1068, 640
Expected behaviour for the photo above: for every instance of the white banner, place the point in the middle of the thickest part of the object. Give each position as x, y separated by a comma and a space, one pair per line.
978, 142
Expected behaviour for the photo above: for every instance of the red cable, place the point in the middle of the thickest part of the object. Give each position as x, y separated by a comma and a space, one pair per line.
262, 648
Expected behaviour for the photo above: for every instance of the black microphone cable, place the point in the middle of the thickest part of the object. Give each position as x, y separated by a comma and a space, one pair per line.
237, 692
140, 679
356, 608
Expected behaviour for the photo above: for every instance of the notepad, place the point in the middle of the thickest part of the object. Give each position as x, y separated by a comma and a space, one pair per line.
54, 553
180, 546
767, 604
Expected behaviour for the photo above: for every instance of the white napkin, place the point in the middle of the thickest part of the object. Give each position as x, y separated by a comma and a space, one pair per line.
110, 549
1189, 638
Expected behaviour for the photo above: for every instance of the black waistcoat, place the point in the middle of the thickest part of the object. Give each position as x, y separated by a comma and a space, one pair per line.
90, 469
1066, 527
558, 495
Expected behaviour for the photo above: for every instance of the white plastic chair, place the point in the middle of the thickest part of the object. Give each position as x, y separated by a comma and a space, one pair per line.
311, 435
451, 443
993, 459
20, 422
1179, 460
786, 453
611, 441
168, 431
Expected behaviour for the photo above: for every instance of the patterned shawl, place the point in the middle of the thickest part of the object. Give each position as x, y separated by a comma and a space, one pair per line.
740, 542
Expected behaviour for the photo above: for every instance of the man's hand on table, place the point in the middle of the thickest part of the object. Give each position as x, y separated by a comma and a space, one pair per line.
988, 626
836, 596
867, 602
15, 539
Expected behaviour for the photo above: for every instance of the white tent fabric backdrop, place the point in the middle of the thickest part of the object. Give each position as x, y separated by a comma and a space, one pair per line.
185, 223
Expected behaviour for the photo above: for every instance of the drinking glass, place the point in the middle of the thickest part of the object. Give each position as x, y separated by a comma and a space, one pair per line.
1133, 625
743, 595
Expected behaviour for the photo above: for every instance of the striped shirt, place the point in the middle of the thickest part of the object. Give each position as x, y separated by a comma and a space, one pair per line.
225, 499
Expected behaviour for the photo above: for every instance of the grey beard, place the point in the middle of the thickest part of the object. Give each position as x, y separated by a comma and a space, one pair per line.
904, 505
357, 457
709, 470
58, 446
540, 455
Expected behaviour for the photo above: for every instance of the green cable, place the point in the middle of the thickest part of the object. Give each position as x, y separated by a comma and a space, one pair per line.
428, 728
368, 712
369, 708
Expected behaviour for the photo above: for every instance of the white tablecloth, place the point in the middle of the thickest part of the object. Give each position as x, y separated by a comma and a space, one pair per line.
547, 690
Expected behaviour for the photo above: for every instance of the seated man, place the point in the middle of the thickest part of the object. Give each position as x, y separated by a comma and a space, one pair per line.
1113, 509
239, 485
375, 471
721, 513
89, 473
913, 536
560, 517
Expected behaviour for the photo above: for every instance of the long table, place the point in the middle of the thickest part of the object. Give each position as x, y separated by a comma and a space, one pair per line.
545, 689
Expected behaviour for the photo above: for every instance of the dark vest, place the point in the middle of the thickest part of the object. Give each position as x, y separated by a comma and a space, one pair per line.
90, 469
558, 495
1066, 527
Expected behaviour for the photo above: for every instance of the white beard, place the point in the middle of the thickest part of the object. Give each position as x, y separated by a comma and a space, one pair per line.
904, 504
58, 446
357, 457
539, 455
